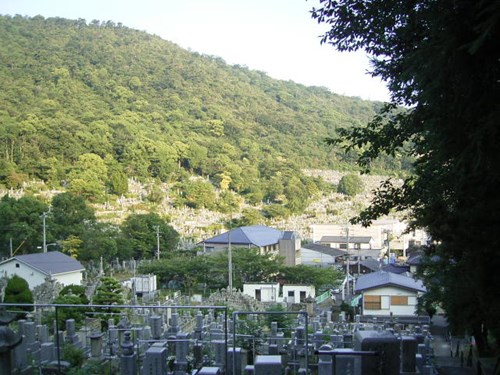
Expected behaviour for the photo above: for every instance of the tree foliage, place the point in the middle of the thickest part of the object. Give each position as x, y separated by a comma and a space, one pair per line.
351, 185
144, 230
109, 292
322, 278
187, 271
21, 223
440, 62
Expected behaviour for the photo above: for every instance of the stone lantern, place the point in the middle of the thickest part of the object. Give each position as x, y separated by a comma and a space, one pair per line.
8, 340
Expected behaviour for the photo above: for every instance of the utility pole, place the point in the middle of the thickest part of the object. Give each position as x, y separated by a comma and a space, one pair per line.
359, 259
157, 242
348, 265
229, 261
44, 218
388, 232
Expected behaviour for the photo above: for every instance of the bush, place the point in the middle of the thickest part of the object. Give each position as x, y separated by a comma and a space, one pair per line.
18, 291
350, 185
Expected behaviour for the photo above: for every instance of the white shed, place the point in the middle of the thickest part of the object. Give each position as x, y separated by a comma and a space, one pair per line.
298, 293
264, 292
35, 268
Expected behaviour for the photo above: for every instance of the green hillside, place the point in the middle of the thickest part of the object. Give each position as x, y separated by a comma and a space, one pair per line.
87, 105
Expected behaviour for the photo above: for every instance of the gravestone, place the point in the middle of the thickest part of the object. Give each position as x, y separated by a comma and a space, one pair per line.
156, 329
181, 353
346, 364
209, 371
408, 353
268, 365
155, 360
96, 345
236, 359
219, 347
325, 361
386, 345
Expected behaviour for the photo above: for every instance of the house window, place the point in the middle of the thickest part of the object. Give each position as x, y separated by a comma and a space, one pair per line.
372, 302
399, 300
302, 296
17, 265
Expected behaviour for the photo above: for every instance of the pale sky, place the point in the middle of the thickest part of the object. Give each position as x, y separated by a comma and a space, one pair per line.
278, 37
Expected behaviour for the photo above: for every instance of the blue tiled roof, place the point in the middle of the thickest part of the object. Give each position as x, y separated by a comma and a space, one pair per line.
382, 278
395, 269
257, 235
52, 262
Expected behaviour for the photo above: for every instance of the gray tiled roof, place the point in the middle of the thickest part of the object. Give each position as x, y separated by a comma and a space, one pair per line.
372, 264
382, 278
343, 239
324, 249
257, 235
52, 262
289, 235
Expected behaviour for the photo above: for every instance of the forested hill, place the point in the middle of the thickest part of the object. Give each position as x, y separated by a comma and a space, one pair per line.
145, 107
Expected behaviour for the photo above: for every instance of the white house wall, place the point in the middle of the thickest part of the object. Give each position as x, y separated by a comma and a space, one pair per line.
32, 276
70, 278
268, 292
387, 308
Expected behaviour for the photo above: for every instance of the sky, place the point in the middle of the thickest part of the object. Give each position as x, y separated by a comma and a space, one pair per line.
278, 37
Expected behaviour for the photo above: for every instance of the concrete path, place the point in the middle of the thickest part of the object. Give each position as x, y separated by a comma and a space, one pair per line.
446, 360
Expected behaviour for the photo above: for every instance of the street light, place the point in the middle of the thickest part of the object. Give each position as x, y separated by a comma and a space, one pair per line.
46, 245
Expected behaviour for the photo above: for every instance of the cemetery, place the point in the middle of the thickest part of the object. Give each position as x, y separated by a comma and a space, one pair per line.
206, 340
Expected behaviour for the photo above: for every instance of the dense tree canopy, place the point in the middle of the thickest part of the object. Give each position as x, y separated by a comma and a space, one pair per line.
71, 226
21, 224
146, 231
440, 61
83, 106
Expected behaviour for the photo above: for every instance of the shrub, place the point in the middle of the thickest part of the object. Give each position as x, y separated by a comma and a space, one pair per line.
18, 291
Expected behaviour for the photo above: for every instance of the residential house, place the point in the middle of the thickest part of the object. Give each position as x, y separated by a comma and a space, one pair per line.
414, 261
266, 239
383, 232
313, 254
36, 268
362, 267
345, 243
388, 294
